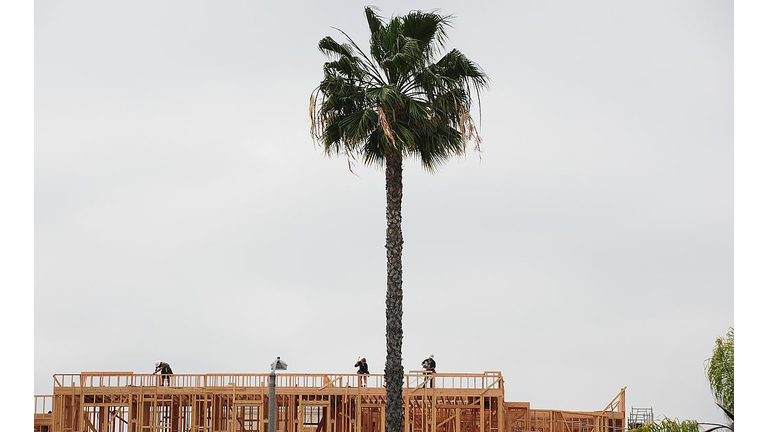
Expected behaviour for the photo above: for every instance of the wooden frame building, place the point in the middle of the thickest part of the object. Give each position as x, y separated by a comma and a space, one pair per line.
128, 402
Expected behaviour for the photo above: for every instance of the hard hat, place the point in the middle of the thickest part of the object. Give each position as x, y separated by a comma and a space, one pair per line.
431, 356
157, 363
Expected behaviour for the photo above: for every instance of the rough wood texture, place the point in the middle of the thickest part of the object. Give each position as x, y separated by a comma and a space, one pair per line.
126, 402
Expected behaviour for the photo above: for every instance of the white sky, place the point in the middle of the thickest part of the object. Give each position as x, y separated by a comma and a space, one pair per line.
182, 209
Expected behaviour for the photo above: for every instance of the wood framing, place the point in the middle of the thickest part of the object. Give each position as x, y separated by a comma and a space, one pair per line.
128, 402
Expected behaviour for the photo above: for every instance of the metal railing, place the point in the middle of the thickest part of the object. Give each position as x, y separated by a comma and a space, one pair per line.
411, 380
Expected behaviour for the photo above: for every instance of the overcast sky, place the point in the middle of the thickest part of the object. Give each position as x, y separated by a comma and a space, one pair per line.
183, 213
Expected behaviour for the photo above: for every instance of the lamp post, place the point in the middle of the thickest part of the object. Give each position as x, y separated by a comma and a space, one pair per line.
276, 365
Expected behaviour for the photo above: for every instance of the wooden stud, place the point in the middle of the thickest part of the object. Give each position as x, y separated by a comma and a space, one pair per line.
126, 402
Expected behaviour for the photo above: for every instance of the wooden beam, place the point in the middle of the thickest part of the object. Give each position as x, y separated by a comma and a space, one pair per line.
88, 422
213, 400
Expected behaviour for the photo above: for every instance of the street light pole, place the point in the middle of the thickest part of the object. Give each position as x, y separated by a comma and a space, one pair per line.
276, 365
272, 401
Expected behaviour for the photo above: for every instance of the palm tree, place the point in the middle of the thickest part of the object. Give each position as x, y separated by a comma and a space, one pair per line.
400, 101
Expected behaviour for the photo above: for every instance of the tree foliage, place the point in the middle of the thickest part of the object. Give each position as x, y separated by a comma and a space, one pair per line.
669, 425
720, 371
401, 98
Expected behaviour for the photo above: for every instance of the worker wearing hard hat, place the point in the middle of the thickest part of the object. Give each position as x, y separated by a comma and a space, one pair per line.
165, 371
429, 364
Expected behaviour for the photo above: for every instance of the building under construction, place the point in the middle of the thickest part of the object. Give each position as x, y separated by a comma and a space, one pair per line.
449, 402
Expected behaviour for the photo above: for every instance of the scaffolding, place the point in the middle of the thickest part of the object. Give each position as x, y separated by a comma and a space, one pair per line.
458, 402
639, 417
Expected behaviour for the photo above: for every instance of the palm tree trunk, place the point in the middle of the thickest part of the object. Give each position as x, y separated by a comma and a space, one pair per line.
393, 369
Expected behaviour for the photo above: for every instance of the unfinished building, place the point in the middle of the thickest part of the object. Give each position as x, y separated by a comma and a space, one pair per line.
452, 402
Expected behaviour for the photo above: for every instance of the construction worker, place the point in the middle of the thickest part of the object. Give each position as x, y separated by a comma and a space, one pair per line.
362, 370
429, 366
165, 372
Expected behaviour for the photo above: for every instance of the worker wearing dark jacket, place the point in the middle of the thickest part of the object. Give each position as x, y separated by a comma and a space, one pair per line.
165, 371
429, 366
362, 370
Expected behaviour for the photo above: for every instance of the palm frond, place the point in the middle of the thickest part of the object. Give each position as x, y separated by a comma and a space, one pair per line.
374, 20
371, 67
330, 47
373, 150
397, 100
359, 124
428, 28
